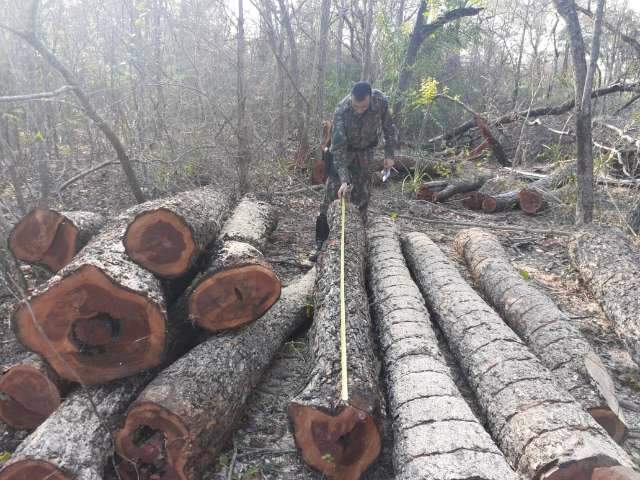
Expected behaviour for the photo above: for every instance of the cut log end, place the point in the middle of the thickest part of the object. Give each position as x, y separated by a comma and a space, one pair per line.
615, 473
153, 444
33, 469
45, 237
426, 193
27, 397
161, 242
341, 447
611, 422
101, 331
590, 468
473, 200
234, 297
489, 204
531, 201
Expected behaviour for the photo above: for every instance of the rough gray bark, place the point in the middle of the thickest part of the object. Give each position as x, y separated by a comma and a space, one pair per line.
103, 315
30, 391
462, 185
436, 435
201, 396
167, 236
633, 218
542, 430
340, 440
74, 443
609, 264
10, 438
238, 285
52, 238
548, 332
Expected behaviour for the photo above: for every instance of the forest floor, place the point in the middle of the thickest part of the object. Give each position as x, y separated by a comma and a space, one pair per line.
263, 446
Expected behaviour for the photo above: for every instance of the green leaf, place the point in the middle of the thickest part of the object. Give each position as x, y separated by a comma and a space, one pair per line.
393, 216
327, 457
524, 274
4, 456
39, 137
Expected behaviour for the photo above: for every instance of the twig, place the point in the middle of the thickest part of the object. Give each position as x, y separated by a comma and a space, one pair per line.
35, 96
232, 465
77, 177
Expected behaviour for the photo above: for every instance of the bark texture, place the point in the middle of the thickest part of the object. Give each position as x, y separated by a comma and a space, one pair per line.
548, 332
339, 440
30, 391
192, 406
533, 198
609, 264
541, 429
100, 318
167, 236
436, 435
51, 238
460, 186
239, 285
74, 443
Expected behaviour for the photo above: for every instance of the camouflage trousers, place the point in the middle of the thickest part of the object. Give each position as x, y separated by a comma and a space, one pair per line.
358, 162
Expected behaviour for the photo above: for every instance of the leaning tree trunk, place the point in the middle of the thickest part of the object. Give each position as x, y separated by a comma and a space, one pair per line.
30, 391
549, 333
100, 318
167, 236
542, 430
74, 443
609, 264
189, 410
51, 238
340, 440
239, 285
436, 435
532, 198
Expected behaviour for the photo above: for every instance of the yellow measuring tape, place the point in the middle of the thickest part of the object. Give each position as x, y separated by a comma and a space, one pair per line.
344, 391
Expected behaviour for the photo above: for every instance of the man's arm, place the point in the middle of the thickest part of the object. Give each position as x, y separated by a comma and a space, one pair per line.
390, 132
339, 146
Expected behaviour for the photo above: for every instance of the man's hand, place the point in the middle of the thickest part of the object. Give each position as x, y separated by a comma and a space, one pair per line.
344, 188
389, 162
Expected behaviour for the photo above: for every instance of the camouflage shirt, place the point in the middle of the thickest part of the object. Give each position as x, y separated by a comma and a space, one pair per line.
352, 132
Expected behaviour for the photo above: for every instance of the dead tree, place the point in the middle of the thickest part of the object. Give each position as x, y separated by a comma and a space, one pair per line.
340, 440
548, 332
542, 430
436, 435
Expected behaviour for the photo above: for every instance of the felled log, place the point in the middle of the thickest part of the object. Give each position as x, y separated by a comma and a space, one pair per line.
462, 185
492, 141
339, 440
103, 316
51, 238
181, 421
30, 391
74, 443
428, 190
167, 236
473, 200
543, 432
548, 332
496, 194
532, 198
239, 285
609, 264
436, 435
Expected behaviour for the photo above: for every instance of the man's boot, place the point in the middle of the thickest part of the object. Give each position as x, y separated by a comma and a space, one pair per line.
322, 233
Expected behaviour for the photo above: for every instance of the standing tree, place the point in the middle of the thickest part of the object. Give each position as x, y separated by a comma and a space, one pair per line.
244, 151
583, 77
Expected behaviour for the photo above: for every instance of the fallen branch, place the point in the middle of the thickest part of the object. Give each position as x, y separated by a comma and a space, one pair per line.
84, 173
35, 96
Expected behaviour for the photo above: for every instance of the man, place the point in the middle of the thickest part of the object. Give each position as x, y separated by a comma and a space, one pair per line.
357, 122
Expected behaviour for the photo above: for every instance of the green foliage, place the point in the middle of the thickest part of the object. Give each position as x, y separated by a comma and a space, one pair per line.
524, 274
393, 216
602, 163
427, 92
4, 456
414, 180
327, 457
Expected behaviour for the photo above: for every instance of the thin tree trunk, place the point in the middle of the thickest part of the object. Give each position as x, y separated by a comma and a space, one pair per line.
244, 152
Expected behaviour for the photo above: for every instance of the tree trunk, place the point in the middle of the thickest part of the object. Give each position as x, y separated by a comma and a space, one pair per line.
428, 190
542, 430
181, 421
633, 218
436, 434
244, 150
239, 285
548, 332
52, 238
609, 264
30, 391
474, 200
168, 236
500, 203
340, 439
460, 186
102, 317
74, 443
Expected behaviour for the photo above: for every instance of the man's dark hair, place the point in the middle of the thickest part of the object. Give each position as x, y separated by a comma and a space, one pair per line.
361, 90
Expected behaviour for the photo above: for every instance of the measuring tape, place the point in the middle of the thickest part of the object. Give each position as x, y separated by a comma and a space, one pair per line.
344, 391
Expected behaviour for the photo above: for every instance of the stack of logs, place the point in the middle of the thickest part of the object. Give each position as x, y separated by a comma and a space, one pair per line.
168, 316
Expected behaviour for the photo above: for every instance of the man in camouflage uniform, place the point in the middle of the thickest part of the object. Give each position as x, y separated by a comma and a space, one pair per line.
357, 122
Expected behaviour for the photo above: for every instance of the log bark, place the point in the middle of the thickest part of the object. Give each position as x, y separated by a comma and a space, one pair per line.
633, 218
500, 203
474, 200
181, 421
532, 197
51, 238
428, 190
436, 435
542, 430
30, 391
167, 236
239, 285
460, 186
548, 332
339, 440
10, 438
609, 264
74, 443
102, 317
